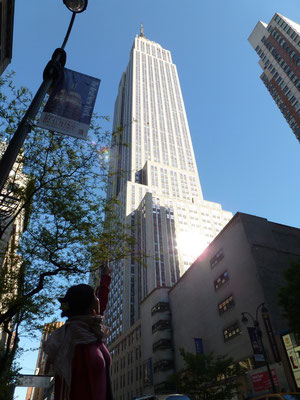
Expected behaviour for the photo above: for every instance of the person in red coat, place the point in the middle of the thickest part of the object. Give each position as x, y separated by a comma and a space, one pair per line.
80, 359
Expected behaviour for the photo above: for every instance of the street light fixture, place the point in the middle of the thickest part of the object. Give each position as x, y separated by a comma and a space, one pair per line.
76, 6
244, 320
51, 74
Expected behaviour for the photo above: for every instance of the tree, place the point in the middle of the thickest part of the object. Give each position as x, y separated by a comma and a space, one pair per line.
69, 228
289, 296
207, 376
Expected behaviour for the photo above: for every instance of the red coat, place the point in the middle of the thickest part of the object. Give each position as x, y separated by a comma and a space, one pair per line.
90, 365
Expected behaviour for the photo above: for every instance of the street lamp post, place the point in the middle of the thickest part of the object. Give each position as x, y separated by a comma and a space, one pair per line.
51, 74
258, 331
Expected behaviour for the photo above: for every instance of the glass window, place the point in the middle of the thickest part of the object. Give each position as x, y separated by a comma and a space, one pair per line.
216, 258
221, 280
226, 304
231, 331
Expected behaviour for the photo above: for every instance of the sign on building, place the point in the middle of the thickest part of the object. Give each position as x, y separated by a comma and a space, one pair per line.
261, 380
292, 347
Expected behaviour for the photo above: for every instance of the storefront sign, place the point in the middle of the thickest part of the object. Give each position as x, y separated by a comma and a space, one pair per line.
261, 380
292, 347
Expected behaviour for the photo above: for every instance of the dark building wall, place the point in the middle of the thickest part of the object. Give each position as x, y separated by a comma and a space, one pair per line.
7, 8
254, 252
274, 247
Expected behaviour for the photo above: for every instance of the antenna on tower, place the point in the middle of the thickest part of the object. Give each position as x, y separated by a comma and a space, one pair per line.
142, 31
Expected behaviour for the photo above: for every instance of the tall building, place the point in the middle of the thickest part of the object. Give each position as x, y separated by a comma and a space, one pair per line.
157, 183
6, 32
13, 221
278, 47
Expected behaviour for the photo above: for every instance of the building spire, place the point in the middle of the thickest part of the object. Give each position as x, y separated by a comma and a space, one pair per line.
142, 31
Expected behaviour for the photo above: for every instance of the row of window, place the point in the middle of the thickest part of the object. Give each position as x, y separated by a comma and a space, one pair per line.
287, 29
289, 72
127, 342
231, 331
120, 382
285, 45
145, 47
283, 107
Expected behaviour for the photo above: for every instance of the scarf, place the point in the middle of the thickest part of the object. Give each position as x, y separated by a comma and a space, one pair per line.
60, 346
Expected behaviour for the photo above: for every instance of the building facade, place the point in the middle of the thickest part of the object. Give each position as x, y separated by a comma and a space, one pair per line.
7, 8
155, 178
242, 268
278, 47
42, 367
13, 220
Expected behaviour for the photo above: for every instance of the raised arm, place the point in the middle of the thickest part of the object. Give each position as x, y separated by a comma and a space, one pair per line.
102, 290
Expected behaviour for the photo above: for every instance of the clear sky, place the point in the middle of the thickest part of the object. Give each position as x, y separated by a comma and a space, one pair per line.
248, 158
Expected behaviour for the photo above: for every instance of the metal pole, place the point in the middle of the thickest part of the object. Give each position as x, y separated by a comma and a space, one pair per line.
50, 75
15, 144
259, 334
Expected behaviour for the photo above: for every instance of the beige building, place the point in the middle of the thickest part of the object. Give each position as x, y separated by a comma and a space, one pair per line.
241, 269
238, 271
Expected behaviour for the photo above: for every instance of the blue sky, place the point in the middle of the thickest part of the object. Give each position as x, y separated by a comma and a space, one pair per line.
247, 156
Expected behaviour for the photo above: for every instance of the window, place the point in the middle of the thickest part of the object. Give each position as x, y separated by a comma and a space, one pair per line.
161, 325
216, 258
159, 307
232, 331
221, 280
163, 365
162, 344
226, 304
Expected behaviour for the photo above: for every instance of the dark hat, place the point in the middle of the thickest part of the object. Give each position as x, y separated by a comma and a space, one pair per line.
77, 300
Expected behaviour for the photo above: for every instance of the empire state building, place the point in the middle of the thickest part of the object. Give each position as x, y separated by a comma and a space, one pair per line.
159, 188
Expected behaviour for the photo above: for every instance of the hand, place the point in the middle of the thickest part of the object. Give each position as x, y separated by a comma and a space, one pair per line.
106, 269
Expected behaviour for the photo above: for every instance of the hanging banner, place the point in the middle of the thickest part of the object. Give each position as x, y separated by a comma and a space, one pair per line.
256, 345
148, 374
199, 345
70, 105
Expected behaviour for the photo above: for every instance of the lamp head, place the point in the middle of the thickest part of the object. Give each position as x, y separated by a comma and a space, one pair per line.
244, 319
76, 6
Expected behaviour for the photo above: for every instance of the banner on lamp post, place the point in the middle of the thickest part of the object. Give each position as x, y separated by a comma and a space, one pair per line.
256, 345
70, 105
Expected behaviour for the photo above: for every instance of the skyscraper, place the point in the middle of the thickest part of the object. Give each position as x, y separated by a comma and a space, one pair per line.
278, 46
160, 196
